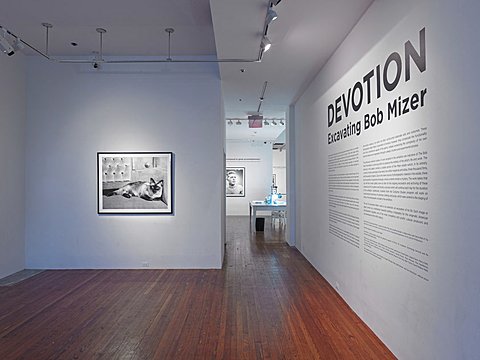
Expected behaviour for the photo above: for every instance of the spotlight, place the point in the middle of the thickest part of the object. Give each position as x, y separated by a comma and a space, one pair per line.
274, 122
230, 122
5, 45
97, 62
238, 122
282, 122
271, 16
266, 43
265, 122
18, 44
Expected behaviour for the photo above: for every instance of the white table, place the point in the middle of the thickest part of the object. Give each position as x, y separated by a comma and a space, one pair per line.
262, 206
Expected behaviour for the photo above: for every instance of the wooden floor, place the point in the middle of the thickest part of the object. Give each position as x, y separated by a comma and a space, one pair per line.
267, 303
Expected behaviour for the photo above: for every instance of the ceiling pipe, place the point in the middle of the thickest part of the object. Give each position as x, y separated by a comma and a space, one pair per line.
47, 27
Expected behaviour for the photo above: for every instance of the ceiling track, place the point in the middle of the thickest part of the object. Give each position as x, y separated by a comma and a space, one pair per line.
125, 61
262, 96
245, 119
100, 60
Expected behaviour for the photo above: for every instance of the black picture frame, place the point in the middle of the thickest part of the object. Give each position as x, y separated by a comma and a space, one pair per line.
135, 183
237, 188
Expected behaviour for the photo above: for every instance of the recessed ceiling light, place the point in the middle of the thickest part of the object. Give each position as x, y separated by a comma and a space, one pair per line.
73, 43
239, 99
242, 70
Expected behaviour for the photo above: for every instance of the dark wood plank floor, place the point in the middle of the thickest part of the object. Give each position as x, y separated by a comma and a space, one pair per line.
267, 303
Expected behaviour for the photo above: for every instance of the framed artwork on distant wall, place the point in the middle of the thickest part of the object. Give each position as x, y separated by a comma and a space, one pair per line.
235, 181
274, 180
135, 182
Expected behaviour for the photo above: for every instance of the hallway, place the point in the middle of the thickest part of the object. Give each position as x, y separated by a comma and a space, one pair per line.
285, 309
267, 303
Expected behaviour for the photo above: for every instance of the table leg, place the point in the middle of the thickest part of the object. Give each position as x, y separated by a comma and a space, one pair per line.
250, 218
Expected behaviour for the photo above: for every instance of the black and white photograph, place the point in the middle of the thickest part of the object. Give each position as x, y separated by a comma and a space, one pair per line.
235, 178
135, 183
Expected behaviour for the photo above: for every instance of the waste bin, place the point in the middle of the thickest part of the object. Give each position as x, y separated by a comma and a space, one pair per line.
259, 224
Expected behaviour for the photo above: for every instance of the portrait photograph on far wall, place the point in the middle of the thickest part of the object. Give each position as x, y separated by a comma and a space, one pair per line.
235, 177
135, 183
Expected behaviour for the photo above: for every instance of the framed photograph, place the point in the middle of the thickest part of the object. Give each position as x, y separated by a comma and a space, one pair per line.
235, 182
135, 183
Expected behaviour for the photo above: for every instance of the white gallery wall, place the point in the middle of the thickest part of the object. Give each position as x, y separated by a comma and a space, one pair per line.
389, 213
257, 159
280, 169
12, 168
74, 112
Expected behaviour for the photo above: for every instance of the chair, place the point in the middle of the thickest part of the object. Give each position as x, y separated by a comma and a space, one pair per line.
279, 215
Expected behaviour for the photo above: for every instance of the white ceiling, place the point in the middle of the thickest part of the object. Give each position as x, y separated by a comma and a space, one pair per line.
133, 27
304, 36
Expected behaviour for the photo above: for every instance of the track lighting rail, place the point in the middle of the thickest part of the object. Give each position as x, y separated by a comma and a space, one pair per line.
124, 61
169, 59
266, 121
264, 46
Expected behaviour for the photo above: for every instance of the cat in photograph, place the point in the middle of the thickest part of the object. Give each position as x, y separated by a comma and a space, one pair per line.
151, 191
